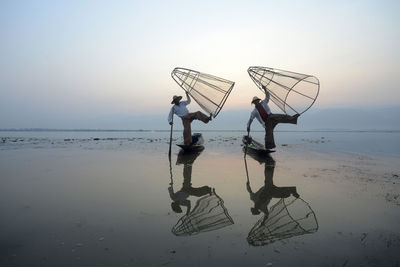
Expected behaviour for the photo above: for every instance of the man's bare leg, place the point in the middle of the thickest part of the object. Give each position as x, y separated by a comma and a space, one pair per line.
187, 120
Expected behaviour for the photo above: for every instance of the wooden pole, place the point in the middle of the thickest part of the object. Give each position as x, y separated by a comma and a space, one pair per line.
247, 172
247, 143
170, 137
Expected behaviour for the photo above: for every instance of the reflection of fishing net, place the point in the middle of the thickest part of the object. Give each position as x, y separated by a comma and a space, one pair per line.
208, 91
209, 214
287, 218
292, 92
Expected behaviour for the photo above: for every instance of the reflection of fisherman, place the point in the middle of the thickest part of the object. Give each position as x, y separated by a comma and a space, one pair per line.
268, 120
263, 196
180, 198
179, 108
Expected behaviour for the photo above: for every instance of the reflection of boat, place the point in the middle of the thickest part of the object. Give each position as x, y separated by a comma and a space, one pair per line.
187, 158
255, 147
209, 212
196, 145
290, 216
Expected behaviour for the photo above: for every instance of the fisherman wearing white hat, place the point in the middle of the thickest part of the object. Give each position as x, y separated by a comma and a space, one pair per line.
179, 108
268, 120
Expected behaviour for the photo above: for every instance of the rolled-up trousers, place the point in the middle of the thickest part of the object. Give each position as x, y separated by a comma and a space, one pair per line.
187, 120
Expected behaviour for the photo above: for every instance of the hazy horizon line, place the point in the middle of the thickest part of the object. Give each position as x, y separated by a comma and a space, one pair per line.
168, 130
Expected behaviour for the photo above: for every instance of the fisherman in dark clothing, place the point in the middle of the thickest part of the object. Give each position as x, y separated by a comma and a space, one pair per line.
268, 120
264, 195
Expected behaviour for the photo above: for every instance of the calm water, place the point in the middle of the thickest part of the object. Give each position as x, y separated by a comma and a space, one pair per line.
121, 202
385, 143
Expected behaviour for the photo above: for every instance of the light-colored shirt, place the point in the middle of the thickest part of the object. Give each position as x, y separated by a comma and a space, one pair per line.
256, 114
180, 110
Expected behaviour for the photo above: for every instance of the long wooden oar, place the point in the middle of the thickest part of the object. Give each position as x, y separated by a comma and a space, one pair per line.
247, 144
170, 172
247, 172
170, 138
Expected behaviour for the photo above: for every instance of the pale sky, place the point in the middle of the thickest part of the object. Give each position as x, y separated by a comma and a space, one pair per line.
115, 57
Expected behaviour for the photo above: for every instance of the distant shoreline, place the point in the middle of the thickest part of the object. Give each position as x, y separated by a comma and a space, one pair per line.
147, 130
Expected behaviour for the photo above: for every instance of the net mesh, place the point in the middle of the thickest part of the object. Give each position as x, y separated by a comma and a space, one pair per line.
209, 214
287, 218
209, 91
292, 92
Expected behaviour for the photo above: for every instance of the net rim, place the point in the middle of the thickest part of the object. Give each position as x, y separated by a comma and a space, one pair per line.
181, 222
275, 71
188, 71
257, 243
313, 230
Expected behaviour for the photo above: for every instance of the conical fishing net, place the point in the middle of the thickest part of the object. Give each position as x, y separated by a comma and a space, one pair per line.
287, 218
292, 92
209, 214
209, 91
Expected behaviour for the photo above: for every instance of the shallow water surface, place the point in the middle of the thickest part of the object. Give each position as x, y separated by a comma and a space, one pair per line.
107, 203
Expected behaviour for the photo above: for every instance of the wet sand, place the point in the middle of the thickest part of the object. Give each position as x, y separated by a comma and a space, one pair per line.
106, 201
